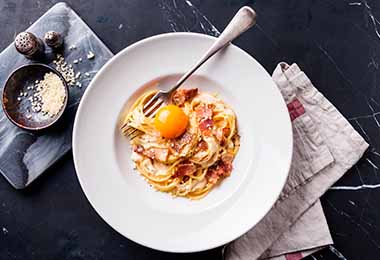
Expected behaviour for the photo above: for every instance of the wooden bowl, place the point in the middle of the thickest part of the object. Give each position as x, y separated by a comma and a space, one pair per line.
18, 110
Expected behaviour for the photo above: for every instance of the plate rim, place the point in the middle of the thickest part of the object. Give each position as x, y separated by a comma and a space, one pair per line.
103, 69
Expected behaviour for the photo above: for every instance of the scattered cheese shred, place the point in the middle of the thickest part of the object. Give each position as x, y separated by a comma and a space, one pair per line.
65, 69
90, 55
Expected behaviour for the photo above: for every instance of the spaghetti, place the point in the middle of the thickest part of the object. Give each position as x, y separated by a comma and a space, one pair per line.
195, 162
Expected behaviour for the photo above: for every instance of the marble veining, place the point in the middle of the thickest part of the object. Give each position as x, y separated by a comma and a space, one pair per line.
338, 254
183, 16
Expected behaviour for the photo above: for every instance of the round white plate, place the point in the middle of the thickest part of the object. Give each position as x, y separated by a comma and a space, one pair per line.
154, 219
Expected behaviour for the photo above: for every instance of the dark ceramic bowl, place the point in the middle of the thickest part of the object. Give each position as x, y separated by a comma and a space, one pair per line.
18, 110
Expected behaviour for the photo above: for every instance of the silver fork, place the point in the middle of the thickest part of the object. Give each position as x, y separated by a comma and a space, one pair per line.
244, 19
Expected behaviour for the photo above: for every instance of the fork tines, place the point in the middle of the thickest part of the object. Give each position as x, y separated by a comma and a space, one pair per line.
150, 110
151, 107
130, 131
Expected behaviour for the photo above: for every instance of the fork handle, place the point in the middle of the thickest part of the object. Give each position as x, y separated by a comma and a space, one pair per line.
244, 19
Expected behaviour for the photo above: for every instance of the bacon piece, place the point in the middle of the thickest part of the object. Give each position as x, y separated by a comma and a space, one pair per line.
185, 169
226, 163
202, 146
179, 142
138, 148
180, 96
227, 169
157, 153
206, 126
137, 157
226, 131
185, 138
221, 134
150, 153
212, 176
227, 158
223, 168
204, 111
160, 154
204, 115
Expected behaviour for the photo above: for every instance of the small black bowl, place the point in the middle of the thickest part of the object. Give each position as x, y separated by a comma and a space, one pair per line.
19, 111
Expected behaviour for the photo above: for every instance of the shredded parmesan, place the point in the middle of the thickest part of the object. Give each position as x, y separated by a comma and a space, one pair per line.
50, 95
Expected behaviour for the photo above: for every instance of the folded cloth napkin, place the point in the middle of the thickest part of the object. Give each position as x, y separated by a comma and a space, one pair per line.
325, 147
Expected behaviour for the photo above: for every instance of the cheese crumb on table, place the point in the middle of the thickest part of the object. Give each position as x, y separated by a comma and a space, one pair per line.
90, 55
66, 70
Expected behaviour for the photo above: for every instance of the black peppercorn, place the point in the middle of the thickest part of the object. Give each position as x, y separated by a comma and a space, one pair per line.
53, 39
29, 45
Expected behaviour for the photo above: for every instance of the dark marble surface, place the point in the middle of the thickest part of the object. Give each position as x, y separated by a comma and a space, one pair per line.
337, 43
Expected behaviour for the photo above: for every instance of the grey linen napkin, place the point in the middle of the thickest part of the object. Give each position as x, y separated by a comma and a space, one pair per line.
325, 147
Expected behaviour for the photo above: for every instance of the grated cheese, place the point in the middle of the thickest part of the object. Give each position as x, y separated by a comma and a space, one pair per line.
66, 70
50, 95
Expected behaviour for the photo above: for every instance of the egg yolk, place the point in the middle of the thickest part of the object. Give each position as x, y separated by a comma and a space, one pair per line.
171, 121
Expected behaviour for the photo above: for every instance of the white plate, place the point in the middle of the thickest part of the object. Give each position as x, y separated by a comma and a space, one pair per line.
157, 220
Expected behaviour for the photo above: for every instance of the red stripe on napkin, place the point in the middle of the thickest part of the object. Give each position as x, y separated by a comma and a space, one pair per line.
295, 109
293, 256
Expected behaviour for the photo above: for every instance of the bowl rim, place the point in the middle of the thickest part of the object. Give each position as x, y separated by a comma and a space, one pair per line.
56, 118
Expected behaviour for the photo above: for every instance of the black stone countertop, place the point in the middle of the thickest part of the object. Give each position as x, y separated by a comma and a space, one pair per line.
337, 44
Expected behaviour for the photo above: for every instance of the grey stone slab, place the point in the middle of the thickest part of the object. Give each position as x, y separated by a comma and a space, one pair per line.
25, 155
